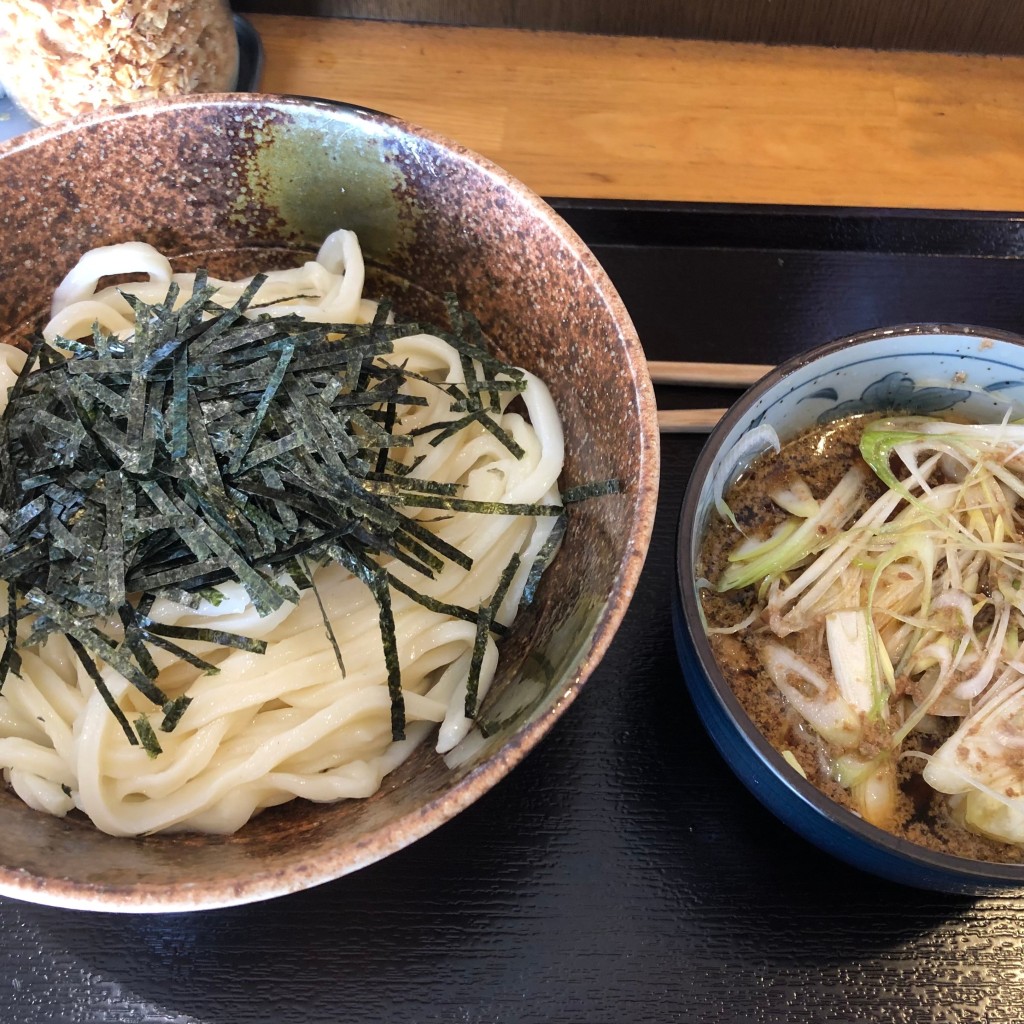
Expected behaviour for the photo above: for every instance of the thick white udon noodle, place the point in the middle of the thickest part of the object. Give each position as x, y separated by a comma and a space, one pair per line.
268, 728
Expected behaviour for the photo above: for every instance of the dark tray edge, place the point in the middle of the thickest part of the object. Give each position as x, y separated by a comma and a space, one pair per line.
754, 226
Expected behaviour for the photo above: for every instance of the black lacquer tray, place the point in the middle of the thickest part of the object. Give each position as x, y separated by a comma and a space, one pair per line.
620, 873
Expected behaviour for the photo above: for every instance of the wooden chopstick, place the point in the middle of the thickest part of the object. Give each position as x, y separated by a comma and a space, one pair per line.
688, 421
711, 375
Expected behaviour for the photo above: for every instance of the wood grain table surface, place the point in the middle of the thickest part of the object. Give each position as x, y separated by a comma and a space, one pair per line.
643, 118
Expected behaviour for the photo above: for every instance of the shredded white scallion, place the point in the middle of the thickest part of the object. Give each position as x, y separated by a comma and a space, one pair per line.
881, 619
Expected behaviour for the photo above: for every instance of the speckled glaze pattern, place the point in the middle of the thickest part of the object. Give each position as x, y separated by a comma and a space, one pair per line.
240, 182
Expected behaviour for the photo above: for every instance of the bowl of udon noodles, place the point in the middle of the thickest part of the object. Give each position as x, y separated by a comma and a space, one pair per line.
312, 520
850, 601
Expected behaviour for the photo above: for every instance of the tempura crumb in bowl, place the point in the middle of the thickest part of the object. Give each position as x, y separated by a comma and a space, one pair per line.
848, 636
238, 185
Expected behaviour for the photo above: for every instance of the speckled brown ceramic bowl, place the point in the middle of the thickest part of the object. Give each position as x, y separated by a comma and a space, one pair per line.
238, 179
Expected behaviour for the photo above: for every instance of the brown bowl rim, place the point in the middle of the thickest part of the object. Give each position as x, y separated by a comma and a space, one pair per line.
177, 897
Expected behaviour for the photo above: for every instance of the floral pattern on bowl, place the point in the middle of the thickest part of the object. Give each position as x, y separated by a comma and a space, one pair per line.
896, 390
916, 369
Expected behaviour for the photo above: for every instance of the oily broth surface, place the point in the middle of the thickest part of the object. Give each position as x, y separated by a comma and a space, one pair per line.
821, 456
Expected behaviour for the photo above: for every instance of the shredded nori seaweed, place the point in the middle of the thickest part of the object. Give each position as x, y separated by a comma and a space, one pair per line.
147, 736
484, 623
212, 447
584, 492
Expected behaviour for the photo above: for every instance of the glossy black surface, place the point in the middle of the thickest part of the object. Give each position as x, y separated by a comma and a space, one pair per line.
621, 873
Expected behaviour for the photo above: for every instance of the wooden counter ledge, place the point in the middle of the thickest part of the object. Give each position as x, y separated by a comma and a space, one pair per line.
639, 118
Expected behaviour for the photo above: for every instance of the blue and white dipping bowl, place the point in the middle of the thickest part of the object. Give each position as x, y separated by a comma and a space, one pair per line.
926, 369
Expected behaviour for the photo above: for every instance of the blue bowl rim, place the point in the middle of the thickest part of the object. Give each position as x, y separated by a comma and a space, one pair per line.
882, 852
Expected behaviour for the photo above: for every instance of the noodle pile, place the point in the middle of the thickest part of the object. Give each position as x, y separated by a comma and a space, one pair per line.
267, 728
